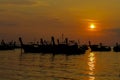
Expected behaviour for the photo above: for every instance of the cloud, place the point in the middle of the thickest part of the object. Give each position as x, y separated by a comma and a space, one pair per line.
115, 31
7, 24
24, 3
18, 2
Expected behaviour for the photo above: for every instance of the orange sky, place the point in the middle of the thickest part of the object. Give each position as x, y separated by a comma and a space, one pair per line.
33, 19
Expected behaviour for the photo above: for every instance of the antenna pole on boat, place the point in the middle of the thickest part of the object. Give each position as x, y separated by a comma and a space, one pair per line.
116, 44
100, 44
62, 37
66, 41
53, 40
58, 41
89, 43
21, 42
41, 41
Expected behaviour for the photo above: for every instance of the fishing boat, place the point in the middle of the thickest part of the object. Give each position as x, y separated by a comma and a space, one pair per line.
99, 47
60, 48
7, 46
116, 48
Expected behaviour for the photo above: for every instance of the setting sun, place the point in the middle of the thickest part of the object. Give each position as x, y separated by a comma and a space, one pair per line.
92, 26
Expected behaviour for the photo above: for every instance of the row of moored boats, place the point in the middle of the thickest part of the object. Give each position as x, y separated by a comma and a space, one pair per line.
56, 47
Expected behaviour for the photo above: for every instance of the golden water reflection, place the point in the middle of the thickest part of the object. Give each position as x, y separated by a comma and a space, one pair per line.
91, 65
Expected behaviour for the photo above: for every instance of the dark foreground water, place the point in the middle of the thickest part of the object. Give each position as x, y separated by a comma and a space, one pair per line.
90, 66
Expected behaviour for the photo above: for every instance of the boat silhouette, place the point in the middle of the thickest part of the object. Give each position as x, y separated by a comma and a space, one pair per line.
7, 46
116, 48
99, 47
59, 48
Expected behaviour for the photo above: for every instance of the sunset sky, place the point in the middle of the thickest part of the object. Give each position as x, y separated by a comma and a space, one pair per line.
33, 19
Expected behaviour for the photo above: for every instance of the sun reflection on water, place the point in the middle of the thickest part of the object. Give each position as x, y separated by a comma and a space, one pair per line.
91, 65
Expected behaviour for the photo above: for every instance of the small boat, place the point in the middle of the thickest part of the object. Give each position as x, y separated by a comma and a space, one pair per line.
60, 48
99, 47
116, 48
7, 46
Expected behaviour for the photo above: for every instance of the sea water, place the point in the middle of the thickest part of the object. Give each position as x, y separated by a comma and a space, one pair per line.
15, 65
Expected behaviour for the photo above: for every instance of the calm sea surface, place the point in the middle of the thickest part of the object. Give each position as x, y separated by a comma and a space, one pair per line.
89, 66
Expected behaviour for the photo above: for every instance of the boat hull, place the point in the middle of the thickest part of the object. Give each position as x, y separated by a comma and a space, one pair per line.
56, 49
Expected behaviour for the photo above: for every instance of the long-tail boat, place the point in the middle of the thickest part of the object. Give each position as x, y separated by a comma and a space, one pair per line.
7, 46
99, 47
116, 48
60, 48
